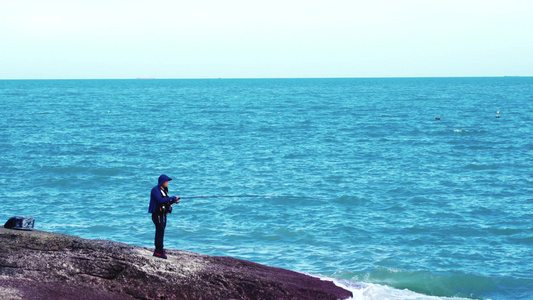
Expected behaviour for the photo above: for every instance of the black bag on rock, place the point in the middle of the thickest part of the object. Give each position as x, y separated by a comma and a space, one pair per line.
21, 223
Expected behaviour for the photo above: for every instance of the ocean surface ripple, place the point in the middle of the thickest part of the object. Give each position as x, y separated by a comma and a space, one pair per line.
358, 179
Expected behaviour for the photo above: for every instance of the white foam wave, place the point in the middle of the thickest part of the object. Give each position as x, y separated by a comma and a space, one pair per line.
371, 291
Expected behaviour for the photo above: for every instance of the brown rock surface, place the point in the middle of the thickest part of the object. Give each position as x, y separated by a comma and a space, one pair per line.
44, 265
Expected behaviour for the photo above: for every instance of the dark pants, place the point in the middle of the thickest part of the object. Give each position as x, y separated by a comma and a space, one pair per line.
160, 221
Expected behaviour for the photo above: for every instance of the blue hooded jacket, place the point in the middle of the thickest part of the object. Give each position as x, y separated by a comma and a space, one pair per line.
155, 196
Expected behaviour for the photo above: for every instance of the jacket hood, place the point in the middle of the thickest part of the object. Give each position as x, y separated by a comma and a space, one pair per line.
163, 178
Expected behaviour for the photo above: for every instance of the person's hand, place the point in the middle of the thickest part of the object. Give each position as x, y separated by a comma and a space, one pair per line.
177, 200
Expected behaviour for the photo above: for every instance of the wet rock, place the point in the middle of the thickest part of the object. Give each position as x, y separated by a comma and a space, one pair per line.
45, 265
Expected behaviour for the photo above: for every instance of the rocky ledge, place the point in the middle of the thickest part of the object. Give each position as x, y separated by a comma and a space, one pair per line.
44, 265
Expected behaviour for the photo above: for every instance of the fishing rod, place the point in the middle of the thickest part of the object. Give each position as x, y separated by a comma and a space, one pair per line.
229, 196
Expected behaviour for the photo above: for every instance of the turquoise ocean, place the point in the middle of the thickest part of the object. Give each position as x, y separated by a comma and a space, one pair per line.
349, 179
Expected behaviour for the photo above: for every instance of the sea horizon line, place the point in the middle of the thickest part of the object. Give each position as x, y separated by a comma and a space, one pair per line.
269, 78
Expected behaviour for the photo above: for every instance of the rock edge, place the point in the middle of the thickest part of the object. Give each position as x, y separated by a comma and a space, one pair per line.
45, 265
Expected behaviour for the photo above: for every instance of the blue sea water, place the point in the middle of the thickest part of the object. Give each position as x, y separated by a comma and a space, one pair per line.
359, 181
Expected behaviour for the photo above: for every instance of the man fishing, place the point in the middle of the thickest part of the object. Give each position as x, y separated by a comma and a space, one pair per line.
160, 206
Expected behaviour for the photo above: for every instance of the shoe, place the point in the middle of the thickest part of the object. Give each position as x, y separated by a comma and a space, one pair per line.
160, 255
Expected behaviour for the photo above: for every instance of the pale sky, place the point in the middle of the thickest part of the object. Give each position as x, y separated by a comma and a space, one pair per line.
69, 39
